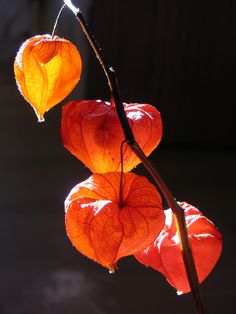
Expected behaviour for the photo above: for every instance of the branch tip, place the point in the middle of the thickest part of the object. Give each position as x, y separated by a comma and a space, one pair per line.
72, 7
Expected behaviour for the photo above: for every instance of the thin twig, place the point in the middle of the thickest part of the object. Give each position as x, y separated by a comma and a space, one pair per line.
111, 77
130, 139
121, 173
57, 20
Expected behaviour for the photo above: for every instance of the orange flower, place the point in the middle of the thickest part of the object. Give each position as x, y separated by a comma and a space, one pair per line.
91, 131
105, 227
46, 70
164, 255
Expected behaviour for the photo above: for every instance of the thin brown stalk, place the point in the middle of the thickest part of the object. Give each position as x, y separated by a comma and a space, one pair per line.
130, 139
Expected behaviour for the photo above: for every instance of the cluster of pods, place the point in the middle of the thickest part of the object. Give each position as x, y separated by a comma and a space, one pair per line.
115, 212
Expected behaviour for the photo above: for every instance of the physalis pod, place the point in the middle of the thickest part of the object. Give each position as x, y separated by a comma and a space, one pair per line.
106, 224
46, 70
92, 132
164, 255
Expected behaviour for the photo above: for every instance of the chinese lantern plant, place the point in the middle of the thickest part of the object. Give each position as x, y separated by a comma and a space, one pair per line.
70, 139
164, 254
107, 218
116, 213
47, 68
91, 131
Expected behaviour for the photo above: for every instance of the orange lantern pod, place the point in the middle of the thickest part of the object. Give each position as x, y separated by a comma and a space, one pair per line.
164, 255
105, 225
91, 131
46, 70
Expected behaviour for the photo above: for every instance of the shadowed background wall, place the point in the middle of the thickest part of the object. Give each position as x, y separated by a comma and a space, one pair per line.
178, 56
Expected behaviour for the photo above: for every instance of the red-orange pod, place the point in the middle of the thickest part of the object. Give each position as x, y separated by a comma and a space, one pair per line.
46, 70
105, 225
91, 131
164, 255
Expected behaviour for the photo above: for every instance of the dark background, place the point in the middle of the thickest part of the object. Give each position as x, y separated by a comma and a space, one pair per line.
178, 56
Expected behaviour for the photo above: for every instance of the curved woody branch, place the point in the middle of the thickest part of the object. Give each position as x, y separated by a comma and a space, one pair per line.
130, 139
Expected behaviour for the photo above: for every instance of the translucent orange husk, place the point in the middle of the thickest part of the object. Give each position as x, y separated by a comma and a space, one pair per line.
164, 255
46, 70
103, 227
91, 131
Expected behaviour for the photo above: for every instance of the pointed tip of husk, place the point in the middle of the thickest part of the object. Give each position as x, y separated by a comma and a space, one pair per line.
40, 118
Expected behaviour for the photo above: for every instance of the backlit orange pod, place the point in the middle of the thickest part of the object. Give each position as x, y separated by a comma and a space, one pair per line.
164, 254
91, 131
46, 70
105, 224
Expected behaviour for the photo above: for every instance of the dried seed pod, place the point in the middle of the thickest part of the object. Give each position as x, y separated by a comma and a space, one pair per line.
164, 255
105, 227
46, 70
91, 131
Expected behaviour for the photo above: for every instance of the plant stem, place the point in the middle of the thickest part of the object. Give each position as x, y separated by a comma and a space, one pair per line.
181, 228
121, 203
57, 20
130, 139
